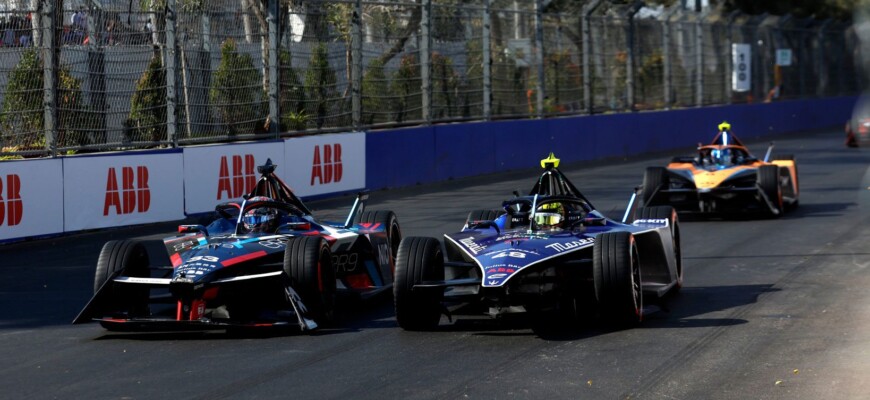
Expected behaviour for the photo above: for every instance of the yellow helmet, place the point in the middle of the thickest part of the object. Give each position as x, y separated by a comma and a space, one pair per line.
550, 215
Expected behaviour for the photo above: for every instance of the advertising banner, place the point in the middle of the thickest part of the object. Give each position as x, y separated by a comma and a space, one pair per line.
222, 173
741, 75
118, 190
31, 198
323, 164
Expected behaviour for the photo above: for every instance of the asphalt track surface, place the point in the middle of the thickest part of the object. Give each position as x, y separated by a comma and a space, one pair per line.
771, 309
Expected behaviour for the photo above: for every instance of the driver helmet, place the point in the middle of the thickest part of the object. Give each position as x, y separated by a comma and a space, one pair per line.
550, 215
260, 219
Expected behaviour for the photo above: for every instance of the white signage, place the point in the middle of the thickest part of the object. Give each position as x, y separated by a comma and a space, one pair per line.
324, 164
31, 198
783, 57
741, 75
222, 173
118, 190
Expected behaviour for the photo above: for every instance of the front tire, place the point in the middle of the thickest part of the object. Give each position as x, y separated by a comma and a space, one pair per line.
124, 258
420, 259
654, 179
768, 183
389, 220
308, 268
616, 275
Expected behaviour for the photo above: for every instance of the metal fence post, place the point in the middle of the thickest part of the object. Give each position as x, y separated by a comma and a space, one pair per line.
487, 62
822, 65
629, 60
274, 84
425, 63
699, 61
539, 46
666, 56
51, 19
729, 66
97, 71
170, 63
357, 67
588, 9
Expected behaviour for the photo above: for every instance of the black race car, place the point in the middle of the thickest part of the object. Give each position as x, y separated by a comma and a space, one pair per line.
264, 261
549, 251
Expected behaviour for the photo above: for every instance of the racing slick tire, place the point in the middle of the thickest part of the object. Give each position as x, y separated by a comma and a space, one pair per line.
669, 213
616, 276
388, 219
654, 178
420, 259
768, 183
308, 268
796, 183
127, 258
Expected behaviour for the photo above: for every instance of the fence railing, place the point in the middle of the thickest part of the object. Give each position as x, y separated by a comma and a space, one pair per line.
117, 76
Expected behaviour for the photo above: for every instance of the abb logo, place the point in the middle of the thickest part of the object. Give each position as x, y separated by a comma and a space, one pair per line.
242, 179
329, 169
11, 207
133, 191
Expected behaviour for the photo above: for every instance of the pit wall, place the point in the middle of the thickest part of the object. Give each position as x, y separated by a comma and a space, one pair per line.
47, 197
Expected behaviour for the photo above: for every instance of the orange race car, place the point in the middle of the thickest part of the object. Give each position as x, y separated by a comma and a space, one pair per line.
724, 177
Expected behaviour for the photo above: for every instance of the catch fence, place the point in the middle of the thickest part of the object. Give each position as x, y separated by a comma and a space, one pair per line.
110, 75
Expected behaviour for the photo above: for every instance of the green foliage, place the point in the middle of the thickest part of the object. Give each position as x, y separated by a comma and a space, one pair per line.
236, 90
563, 81
650, 81
147, 121
376, 95
406, 86
508, 85
320, 86
23, 115
291, 95
445, 83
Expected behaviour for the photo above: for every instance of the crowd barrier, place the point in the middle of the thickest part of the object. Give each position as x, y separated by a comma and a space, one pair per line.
74, 193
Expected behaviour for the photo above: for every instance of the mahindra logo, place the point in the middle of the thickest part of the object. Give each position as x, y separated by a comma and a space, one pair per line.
242, 179
329, 169
133, 191
11, 206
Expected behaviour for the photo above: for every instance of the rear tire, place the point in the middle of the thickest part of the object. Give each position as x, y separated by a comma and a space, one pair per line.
654, 178
768, 183
616, 275
420, 259
308, 268
124, 258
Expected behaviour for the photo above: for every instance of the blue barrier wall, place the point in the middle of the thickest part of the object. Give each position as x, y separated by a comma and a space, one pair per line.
404, 157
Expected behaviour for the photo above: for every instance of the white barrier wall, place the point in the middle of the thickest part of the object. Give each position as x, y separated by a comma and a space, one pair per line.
221, 173
39, 197
31, 198
323, 164
124, 189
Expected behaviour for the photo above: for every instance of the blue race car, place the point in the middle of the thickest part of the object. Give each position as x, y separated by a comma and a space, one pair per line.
264, 261
547, 251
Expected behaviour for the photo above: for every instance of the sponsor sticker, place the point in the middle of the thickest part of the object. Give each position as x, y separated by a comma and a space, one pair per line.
566, 246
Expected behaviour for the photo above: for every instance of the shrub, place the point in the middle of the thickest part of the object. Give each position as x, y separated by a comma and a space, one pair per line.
236, 90
147, 121
320, 86
407, 89
445, 84
376, 96
23, 115
291, 95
